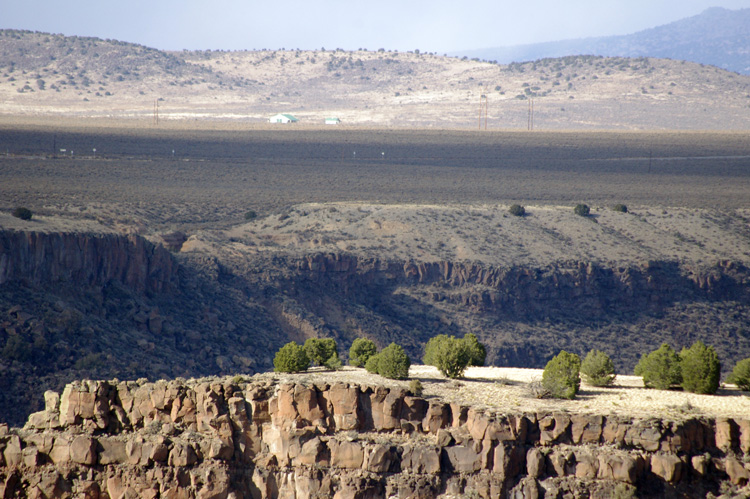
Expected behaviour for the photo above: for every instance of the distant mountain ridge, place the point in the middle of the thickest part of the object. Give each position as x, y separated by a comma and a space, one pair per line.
718, 36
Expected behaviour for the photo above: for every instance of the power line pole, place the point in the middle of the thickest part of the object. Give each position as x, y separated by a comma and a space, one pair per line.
156, 111
483, 108
530, 120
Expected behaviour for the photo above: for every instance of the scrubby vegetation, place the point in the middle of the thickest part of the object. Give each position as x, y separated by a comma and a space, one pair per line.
291, 358
391, 362
517, 210
22, 213
620, 208
697, 369
361, 350
416, 388
561, 377
322, 352
598, 369
660, 368
700, 368
582, 210
452, 355
741, 375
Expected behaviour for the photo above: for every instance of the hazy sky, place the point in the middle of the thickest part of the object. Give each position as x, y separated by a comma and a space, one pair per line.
430, 26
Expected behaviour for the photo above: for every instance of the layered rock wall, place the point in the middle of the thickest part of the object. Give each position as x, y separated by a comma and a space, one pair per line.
230, 438
525, 290
86, 259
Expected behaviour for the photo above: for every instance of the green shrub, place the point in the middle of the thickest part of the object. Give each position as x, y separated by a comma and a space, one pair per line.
660, 369
561, 376
477, 351
22, 213
517, 210
320, 350
291, 358
741, 375
334, 362
431, 350
250, 215
393, 362
620, 207
416, 388
582, 210
361, 350
451, 355
373, 364
598, 369
700, 368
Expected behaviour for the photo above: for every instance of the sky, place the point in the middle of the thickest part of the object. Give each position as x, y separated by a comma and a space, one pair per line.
431, 26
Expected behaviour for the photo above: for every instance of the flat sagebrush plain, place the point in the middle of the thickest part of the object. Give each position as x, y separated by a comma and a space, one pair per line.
181, 175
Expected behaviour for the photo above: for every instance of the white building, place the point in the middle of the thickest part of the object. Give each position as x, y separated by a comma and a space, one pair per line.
283, 118
332, 121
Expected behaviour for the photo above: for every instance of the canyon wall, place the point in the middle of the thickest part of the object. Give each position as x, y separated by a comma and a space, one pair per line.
594, 287
86, 259
265, 437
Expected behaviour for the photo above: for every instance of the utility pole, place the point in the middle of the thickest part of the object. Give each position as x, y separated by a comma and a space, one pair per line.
156, 111
483, 108
530, 121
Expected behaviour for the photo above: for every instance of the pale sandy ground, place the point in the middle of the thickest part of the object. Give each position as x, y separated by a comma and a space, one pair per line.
41, 223
504, 389
489, 234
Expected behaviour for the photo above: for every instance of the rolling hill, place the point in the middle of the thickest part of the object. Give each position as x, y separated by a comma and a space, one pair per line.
55, 75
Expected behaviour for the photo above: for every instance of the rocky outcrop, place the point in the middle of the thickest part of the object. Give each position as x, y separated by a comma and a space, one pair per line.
525, 290
86, 260
219, 438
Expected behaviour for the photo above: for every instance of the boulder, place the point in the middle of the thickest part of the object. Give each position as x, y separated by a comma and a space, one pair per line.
587, 465
13, 454
738, 474
111, 451
553, 429
437, 416
726, 434
667, 466
620, 467
420, 459
586, 429
461, 459
379, 459
744, 428
83, 450
646, 437
534, 463
182, 454
344, 402
344, 454
508, 460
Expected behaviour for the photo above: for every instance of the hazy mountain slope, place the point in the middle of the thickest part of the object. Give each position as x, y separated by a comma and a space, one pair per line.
43, 74
717, 36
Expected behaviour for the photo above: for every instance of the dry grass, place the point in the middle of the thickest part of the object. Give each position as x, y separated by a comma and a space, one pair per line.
507, 389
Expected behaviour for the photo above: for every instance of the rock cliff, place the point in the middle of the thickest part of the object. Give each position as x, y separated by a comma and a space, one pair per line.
266, 437
86, 260
103, 305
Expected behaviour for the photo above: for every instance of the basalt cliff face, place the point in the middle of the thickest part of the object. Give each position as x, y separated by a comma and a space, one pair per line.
39, 258
267, 437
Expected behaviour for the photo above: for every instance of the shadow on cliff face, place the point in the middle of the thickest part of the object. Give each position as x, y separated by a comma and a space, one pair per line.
524, 315
127, 309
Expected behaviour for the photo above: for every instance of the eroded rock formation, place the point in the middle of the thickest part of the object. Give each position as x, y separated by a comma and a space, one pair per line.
219, 438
